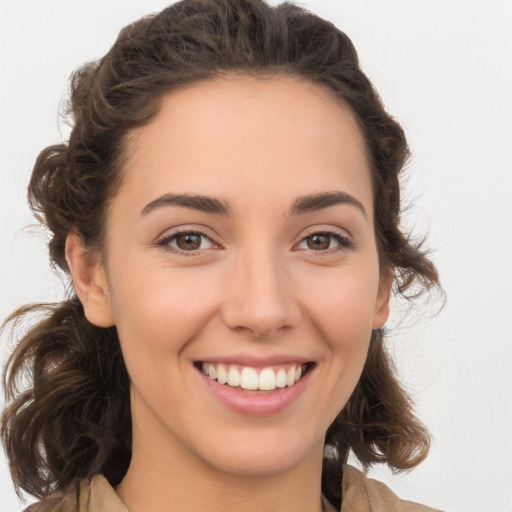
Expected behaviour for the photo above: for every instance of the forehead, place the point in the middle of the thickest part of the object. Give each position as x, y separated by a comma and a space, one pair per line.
243, 136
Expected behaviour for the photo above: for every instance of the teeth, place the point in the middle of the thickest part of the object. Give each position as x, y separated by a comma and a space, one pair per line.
281, 378
248, 378
233, 377
267, 380
290, 376
222, 374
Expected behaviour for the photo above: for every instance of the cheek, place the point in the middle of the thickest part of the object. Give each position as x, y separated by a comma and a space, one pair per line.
158, 314
346, 327
342, 314
158, 311
343, 306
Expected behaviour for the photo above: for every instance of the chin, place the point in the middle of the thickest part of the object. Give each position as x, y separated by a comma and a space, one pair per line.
268, 455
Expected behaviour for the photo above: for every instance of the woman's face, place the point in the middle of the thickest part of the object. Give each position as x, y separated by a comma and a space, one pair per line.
241, 244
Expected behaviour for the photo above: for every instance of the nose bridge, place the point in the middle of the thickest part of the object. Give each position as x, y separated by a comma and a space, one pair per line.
260, 296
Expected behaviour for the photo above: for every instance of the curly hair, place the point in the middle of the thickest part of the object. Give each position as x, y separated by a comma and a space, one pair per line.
73, 419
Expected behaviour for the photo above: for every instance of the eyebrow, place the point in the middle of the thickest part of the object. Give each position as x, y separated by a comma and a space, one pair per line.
194, 202
314, 202
207, 204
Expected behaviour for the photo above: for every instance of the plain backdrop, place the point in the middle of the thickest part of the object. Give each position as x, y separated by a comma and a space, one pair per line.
444, 69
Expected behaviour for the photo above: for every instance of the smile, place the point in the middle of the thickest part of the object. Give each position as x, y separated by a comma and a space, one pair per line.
248, 378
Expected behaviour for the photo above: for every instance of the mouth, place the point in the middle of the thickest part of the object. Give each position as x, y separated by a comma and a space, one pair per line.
255, 380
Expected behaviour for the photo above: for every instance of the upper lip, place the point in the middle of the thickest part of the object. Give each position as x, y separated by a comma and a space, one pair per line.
256, 361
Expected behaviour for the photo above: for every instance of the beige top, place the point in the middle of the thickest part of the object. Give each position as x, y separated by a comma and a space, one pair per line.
360, 494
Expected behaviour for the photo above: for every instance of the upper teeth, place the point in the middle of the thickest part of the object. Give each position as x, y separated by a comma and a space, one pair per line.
248, 378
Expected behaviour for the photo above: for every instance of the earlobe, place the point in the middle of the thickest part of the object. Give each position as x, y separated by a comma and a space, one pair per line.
90, 281
381, 312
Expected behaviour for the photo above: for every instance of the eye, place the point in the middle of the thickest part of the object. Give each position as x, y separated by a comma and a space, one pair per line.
325, 241
186, 241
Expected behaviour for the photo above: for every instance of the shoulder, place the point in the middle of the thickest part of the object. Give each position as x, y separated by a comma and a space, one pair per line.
363, 494
92, 495
57, 502
360, 494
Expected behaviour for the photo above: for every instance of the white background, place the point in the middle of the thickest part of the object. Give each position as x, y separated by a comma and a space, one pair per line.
444, 69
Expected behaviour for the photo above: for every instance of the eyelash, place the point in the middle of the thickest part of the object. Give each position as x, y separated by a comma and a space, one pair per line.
345, 243
164, 243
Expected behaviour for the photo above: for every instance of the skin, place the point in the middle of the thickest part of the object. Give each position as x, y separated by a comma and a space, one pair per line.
254, 287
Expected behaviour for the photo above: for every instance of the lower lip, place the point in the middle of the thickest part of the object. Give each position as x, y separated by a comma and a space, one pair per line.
256, 404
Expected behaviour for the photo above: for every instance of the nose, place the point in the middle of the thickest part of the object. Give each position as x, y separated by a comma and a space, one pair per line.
260, 296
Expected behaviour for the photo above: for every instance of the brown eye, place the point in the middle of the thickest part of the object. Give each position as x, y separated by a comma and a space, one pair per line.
325, 241
188, 242
318, 242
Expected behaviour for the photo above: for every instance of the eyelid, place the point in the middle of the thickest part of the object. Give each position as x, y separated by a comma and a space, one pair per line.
344, 239
163, 241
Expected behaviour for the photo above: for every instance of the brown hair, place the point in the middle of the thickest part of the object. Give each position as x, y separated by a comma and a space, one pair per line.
74, 419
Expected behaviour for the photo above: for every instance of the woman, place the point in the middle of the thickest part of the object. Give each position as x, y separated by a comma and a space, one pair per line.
227, 207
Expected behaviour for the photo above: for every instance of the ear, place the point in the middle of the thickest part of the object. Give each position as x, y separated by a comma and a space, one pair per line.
90, 281
381, 312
